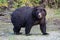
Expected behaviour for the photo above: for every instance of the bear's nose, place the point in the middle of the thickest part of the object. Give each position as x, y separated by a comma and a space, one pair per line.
40, 15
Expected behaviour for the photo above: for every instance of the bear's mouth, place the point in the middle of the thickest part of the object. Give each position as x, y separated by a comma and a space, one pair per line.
40, 15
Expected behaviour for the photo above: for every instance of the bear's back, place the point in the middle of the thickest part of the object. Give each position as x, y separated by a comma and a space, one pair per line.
23, 11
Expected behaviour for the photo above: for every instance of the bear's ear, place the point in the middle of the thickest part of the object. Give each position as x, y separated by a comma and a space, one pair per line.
45, 13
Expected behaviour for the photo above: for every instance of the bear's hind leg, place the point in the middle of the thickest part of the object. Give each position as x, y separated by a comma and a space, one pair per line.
17, 29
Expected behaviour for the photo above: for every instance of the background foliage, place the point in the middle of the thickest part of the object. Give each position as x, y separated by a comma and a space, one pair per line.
19, 3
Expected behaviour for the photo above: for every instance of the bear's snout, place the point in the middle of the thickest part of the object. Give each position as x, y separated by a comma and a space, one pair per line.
39, 15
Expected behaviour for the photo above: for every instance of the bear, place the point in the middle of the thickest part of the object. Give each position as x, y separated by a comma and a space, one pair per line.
27, 17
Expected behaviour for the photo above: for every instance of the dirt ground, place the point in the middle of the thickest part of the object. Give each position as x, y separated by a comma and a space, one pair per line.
53, 28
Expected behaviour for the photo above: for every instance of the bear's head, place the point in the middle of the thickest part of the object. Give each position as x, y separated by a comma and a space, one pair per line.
39, 12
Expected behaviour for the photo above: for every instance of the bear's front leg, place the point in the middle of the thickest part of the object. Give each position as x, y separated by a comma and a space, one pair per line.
43, 26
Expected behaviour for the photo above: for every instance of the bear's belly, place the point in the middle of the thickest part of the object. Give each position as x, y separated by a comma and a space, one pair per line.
35, 23
23, 25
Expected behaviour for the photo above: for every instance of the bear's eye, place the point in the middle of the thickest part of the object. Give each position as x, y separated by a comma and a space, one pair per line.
41, 10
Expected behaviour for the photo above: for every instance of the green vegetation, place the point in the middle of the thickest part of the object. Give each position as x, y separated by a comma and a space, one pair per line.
3, 3
19, 3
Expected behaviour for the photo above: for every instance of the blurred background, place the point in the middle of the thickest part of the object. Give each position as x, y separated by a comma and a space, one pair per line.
8, 4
